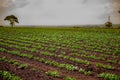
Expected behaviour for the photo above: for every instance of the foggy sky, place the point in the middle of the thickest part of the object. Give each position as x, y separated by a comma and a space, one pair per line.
60, 12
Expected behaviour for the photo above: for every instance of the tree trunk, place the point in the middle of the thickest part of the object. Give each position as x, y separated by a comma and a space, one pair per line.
12, 24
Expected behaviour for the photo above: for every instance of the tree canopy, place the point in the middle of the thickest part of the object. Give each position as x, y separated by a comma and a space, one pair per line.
12, 19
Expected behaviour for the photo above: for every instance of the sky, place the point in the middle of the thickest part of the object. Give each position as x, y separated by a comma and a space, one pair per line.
60, 12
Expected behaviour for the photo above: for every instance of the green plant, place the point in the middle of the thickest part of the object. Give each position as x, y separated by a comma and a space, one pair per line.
3, 58
52, 73
16, 63
47, 54
68, 67
23, 66
83, 71
3, 50
11, 61
26, 55
69, 78
112, 61
104, 66
109, 76
14, 52
33, 50
7, 75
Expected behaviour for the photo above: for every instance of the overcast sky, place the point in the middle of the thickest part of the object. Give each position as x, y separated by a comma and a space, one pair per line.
60, 12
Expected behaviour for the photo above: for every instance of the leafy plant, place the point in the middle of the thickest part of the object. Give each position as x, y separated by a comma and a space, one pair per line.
85, 72
3, 50
104, 66
69, 78
7, 75
3, 58
52, 73
23, 66
109, 76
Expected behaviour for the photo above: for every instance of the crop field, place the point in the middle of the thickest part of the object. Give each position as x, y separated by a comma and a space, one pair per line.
59, 54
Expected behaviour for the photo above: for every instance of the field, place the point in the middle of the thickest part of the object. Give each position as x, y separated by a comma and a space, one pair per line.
59, 54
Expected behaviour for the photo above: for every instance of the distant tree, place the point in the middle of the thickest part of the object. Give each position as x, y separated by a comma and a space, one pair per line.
119, 11
12, 19
108, 24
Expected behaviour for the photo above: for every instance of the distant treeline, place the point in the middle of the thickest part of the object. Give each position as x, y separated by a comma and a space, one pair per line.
73, 26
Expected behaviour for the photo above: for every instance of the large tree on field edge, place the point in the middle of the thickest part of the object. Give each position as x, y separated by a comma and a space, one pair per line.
12, 19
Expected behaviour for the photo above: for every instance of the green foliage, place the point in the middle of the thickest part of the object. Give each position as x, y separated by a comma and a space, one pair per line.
7, 75
69, 78
3, 58
47, 54
109, 76
33, 50
12, 19
112, 61
104, 66
23, 66
3, 50
26, 55
85, 72
52, 73
75, 59
68, 67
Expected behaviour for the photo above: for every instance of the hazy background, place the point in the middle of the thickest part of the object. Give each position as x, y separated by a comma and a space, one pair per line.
60, 12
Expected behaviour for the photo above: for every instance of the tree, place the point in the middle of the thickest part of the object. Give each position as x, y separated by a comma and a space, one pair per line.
108, 24
12, 19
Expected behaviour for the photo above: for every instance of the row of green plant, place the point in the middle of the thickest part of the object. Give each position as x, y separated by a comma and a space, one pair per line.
11, 61
67, 57
89, 39
75, 59
46, 53
105, 66
23, 66
28, 39
19, 47
83, 71
53, 63
53, 49
57, 74
109, 76
46, 61
101, 57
